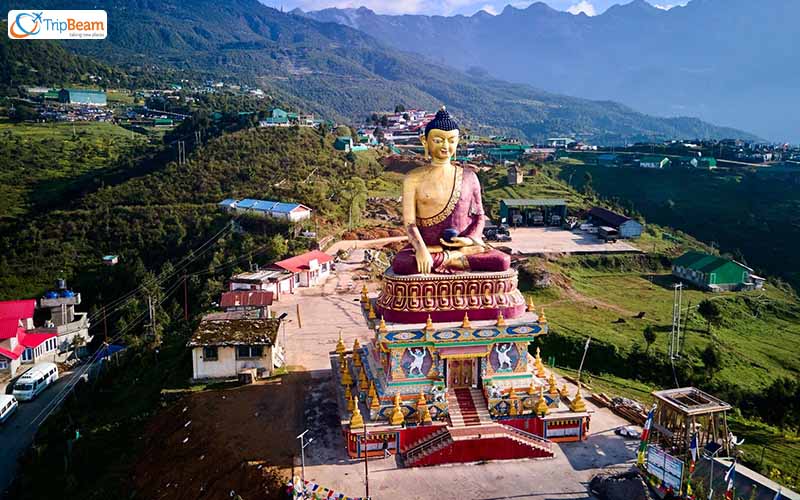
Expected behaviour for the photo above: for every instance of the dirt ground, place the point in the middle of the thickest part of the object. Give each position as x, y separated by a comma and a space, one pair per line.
547, 240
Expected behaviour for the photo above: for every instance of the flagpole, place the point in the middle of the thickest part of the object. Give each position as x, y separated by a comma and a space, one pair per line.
585, 350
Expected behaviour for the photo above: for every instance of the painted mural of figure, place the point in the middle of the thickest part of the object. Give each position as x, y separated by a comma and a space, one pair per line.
503, 359
419, 358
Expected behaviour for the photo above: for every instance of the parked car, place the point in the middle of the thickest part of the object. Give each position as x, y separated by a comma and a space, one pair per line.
607, 234
496, 233
8, 405
35, 380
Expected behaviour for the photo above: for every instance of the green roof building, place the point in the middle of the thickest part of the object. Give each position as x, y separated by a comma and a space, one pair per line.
83, 97
535, 212
343, 143
714, 273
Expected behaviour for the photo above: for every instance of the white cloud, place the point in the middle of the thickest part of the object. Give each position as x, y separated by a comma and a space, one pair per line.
489, 9
583, 6
669, 6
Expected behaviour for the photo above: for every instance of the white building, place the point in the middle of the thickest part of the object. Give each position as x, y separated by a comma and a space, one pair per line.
277, 281
228, 344
292, 212
308, 269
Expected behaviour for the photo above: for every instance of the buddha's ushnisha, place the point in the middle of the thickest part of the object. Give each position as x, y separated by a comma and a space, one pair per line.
443, 211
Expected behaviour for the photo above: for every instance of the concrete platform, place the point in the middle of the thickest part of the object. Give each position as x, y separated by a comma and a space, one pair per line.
544, 240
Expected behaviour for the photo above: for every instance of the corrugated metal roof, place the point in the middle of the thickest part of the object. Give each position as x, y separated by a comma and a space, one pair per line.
268, 205
535, 202
232, 332
246, 298
703, 262
301, 262
609, 217
17, 309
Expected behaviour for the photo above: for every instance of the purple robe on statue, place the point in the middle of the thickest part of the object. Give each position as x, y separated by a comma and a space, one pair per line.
464, 213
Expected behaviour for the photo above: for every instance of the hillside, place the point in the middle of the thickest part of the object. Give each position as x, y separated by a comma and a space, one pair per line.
346, 74
687, 60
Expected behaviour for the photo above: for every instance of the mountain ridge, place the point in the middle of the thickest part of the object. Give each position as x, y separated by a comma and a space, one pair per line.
347, 74
722, 61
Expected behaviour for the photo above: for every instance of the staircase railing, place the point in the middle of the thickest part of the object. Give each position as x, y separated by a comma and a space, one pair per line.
411, 454
539, 440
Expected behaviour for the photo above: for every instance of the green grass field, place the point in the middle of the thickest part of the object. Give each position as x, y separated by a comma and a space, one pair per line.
44, 162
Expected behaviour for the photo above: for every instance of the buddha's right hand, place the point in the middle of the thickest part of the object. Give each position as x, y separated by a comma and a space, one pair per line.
424, 261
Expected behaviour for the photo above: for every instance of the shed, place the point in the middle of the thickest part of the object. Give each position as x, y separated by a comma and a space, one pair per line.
533, 212
711, 272
83, 96
627, 227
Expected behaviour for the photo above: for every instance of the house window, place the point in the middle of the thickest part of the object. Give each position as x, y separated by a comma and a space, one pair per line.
27, 354
249, 351
297, 279
3, 364
210, 353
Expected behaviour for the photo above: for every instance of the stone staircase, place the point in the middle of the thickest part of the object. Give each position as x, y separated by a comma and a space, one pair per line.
467, 407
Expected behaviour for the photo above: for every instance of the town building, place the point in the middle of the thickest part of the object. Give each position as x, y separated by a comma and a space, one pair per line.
228, 345
83, 97
533, 212
710, 272
308, 269
292, 212
515, 175
276, 281
343, 143
256, 302
70, 327
19, 343
625, 226
560, 142
654, 162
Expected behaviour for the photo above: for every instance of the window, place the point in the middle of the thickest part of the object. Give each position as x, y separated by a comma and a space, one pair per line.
210, 353
297, 279
27, 354
248, 351
3, 364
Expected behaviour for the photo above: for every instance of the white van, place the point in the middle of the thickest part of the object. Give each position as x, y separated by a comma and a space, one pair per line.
35, 380
8, 405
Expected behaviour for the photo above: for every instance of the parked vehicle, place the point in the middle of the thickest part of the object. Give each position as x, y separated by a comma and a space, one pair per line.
35, 380
8, 405
496, 233
607, 234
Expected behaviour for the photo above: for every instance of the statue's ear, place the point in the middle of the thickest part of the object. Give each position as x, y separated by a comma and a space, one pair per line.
424, 145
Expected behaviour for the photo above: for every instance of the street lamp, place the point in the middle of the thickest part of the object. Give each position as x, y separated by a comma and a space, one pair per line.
710, 456
303, 444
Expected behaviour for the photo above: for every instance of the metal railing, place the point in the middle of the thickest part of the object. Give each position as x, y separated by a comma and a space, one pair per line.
537, 440
426, 445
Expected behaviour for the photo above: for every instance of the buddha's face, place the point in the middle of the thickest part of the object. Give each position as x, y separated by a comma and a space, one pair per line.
441, 145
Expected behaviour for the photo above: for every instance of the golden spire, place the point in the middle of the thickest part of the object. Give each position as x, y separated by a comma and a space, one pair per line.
541, 405
356, 421
397, 417
564, 391
347, 379
530, 307
553, 390
428, 323
532, 388
375, 403
465, 322
426, 416
373, 394
364, 297
422, 405
348, 396
501, 321
363, 384
356, 354
342, 365
578, 404
382, 326
340, 348
538, 364
542, 317
512, 402
371, 314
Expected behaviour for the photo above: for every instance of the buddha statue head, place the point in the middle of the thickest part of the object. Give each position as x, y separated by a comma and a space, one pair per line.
440, 139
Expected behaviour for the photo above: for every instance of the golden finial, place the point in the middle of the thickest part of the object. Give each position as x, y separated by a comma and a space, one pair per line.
348, 396
465, 322
364, 297
347, 379
356, 421
538, 364
382, 326
428, 323
578, 404
421, 400
363, 384
422, 405
532, 388
553, 390
373, 394
542, 317
371, 315
564, 391
426, 416
541, 405
397, 417
530, 307
501, 321
340, 347
342, 367
375, 403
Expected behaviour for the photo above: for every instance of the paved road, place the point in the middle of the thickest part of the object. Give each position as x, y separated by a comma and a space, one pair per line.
16, 434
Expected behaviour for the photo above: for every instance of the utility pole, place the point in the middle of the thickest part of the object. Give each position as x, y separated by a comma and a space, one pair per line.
185, 299
675, 333
303, 444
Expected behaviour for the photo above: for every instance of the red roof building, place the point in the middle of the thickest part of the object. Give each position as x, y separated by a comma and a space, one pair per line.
17, 341
308, 268
247, 300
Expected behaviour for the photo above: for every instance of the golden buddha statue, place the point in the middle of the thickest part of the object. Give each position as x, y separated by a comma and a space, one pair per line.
443, 211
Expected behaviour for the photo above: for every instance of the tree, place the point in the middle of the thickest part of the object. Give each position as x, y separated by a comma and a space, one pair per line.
711, 359
399, 108
354, 199
710, 312
650, 336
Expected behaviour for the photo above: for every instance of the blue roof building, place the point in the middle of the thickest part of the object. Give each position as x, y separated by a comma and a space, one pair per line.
292, 212
83, 96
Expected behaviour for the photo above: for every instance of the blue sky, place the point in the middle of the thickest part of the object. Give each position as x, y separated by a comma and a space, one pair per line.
452, 7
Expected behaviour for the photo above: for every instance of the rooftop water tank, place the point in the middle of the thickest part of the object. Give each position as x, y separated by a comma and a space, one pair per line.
67, 294
51, 295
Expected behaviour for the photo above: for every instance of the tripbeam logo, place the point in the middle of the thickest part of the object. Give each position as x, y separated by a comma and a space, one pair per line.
57, 24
